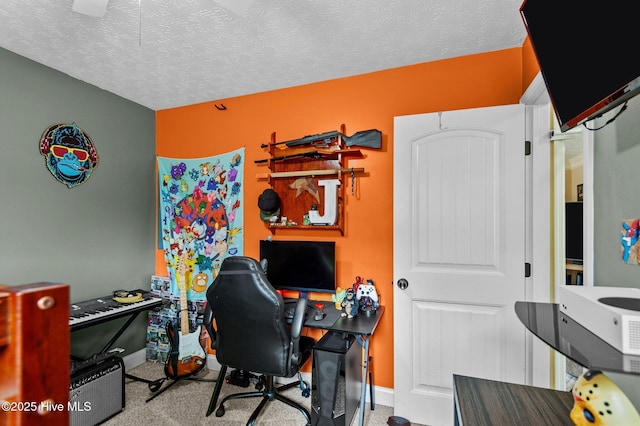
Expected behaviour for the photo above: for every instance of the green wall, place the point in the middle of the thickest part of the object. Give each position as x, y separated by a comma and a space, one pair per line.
617, 197
98, 236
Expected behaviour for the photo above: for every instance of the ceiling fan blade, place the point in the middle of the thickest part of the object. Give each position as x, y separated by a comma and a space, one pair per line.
239, 7
93, 8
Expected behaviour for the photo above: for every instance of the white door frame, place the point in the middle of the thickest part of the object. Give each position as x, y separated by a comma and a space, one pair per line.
544, 283
538, 182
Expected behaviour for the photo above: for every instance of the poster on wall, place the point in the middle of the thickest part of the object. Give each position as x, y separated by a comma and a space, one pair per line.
201, 213
69, 153
629, 241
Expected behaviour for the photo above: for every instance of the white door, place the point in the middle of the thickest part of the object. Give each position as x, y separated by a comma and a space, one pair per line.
459, 242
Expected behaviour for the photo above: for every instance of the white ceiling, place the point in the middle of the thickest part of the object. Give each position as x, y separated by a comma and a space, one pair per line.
169, 53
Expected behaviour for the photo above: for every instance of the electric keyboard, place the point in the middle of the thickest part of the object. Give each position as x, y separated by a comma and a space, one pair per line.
95, 311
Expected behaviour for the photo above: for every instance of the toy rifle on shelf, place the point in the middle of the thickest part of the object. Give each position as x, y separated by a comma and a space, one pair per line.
366, 138
314, 154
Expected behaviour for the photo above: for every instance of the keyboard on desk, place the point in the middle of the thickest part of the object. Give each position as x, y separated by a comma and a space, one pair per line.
94, 311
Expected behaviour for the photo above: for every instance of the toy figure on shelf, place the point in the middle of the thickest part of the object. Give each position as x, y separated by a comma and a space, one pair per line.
367, 297
349, 304
338, 297
357, 283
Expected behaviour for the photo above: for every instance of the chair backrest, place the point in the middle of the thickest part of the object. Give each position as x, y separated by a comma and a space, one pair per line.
251, 328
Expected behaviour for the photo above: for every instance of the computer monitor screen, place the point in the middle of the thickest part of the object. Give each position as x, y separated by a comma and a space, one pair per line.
573, 231
306, 266
585, 55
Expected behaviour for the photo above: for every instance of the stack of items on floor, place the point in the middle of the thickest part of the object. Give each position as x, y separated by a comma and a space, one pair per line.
158, 344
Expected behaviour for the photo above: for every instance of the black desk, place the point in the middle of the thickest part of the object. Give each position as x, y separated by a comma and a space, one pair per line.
566, 336
480, 402
362, 327
487, 402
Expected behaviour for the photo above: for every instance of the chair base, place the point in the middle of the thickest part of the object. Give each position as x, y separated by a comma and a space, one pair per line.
268, 394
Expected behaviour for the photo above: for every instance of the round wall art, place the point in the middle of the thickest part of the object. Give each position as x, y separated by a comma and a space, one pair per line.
69, 153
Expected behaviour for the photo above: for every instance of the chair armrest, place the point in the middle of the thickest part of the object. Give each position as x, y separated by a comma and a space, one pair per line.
207, 320
297, 323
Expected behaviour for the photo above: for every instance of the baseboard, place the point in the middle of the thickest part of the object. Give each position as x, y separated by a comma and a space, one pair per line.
134, 359
382, 396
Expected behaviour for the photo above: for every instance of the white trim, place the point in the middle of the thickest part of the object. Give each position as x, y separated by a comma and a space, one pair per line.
558, 218
538, 131
559, 249
536, 93
134, 359
559, 224
588, 204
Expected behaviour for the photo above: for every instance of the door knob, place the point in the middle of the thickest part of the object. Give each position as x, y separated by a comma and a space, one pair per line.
402, 284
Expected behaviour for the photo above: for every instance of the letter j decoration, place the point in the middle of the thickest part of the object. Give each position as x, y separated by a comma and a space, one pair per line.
69, 153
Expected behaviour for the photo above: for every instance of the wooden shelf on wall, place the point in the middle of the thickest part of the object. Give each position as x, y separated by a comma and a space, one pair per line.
294, 175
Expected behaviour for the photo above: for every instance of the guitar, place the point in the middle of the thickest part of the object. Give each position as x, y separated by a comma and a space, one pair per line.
187, 356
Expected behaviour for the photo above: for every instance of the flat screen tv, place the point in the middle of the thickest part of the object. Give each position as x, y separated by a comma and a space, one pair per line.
587, 53
305, 266
573, 232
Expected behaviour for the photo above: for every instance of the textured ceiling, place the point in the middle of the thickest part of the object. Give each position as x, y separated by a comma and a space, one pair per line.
169, 53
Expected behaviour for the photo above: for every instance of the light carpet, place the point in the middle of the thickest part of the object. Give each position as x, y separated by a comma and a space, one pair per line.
186, 402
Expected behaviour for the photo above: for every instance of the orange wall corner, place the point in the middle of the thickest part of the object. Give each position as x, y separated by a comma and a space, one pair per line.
361, 102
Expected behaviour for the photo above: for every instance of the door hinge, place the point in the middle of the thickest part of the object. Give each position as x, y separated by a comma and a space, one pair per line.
527, 270
527, 147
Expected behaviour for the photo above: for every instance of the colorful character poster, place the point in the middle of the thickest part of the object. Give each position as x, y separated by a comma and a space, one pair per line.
200, 213
629, 241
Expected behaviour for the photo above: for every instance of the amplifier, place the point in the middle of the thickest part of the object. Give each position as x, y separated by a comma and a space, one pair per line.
97, 391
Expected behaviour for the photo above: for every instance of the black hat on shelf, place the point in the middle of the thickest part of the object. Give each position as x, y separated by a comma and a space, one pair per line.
269, 205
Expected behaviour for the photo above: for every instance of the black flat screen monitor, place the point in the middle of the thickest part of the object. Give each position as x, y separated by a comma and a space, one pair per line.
586, 53
305, 266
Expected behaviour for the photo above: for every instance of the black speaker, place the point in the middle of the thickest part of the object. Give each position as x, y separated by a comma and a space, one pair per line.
335, 380
97, 391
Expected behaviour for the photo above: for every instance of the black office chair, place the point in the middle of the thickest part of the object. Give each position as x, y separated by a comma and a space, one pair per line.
252, 331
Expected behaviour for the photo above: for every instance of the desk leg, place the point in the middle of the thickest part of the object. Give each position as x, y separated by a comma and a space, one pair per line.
372, 397
364, 342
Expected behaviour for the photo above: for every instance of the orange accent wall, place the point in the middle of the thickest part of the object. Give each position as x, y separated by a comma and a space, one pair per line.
361, 102
530, 67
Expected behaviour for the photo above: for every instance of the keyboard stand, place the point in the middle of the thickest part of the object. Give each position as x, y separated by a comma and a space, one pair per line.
102, 353
116, 336
113, 340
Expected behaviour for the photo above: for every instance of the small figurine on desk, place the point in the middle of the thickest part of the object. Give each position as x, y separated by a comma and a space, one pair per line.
338, 297
349, 304
357, 283
367, 297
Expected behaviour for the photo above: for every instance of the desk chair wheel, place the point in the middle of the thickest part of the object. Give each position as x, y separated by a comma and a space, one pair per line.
220, 411
304, 386
260, 383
